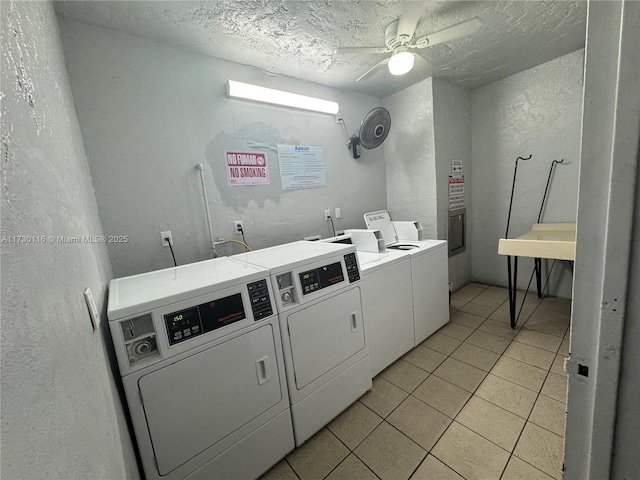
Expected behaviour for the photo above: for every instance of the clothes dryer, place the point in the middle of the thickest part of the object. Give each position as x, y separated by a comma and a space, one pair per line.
318, 298
200, 354
429, 274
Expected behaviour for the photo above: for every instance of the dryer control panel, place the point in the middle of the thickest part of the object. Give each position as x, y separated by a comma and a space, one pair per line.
322, 277
328, 275
195, 321
315, 279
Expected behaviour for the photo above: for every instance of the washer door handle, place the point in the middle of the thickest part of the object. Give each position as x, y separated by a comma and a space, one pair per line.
262, 370
354, 322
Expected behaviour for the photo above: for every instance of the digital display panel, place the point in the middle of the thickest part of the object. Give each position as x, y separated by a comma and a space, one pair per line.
183, 325
320, 278
191, 322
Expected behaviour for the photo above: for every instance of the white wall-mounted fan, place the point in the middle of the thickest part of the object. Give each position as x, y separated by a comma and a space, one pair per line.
399, 40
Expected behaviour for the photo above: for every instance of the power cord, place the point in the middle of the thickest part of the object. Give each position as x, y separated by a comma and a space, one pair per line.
332, 226
242, 233
171, 248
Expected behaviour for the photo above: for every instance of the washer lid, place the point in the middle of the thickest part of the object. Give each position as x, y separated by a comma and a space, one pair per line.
381, 220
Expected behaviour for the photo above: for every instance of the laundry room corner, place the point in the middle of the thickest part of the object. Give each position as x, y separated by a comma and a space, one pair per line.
151, 112
431, 132
452, 135
536, 112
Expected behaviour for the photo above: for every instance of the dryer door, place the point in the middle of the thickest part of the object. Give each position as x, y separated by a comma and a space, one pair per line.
194, 403
324, 335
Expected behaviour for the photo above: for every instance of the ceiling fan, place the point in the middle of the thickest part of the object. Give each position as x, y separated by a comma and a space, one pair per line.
399, 40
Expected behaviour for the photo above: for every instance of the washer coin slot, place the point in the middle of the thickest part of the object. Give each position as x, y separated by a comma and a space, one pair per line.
139, 338
286, 287
142, 349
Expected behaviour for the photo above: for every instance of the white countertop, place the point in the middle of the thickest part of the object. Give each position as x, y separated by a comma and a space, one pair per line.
544, 240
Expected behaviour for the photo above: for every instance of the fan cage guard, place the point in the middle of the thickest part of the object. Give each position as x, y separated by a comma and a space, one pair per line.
375, 128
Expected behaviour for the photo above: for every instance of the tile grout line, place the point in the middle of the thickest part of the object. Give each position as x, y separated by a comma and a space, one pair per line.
352, 452
428, 452
536, 401
291, 466
511, 454
453, 420
472, 394
501, 355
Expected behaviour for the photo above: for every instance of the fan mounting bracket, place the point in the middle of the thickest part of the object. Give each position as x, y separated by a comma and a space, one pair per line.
392, 39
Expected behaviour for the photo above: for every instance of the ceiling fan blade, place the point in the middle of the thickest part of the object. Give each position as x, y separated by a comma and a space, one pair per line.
372, 69
462, 29
342, 50
411, 13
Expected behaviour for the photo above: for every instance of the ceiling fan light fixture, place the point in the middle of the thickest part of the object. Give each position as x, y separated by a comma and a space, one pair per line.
401, 62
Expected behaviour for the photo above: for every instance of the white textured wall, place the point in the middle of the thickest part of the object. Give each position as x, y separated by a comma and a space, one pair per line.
61, 417
627, 434
410, 157
536, 112
452, 135
150, 112
603, 426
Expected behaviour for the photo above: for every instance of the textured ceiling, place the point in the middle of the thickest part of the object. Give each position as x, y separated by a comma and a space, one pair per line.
298, 38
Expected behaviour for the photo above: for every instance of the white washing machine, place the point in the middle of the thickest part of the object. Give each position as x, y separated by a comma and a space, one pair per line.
200, 354
317, 288
429, 271
387, 298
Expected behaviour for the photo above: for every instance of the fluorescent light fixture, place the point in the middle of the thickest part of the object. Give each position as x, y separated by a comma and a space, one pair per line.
401, 61
278, 97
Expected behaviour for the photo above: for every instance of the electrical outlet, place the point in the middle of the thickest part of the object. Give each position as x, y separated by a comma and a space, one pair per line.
327, 214
338, 117
338, 213
238, 227
93, 310
167, 238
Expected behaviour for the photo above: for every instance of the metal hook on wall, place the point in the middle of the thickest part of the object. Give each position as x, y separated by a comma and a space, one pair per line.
546, 188
513, 186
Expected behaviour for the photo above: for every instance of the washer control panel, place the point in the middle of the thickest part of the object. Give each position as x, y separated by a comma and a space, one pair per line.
260, 301
352, 267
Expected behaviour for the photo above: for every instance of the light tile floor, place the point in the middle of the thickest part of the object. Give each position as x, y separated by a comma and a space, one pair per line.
476, 400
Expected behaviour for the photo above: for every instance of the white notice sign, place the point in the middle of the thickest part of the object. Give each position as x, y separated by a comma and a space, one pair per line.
456, 168
301, 166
